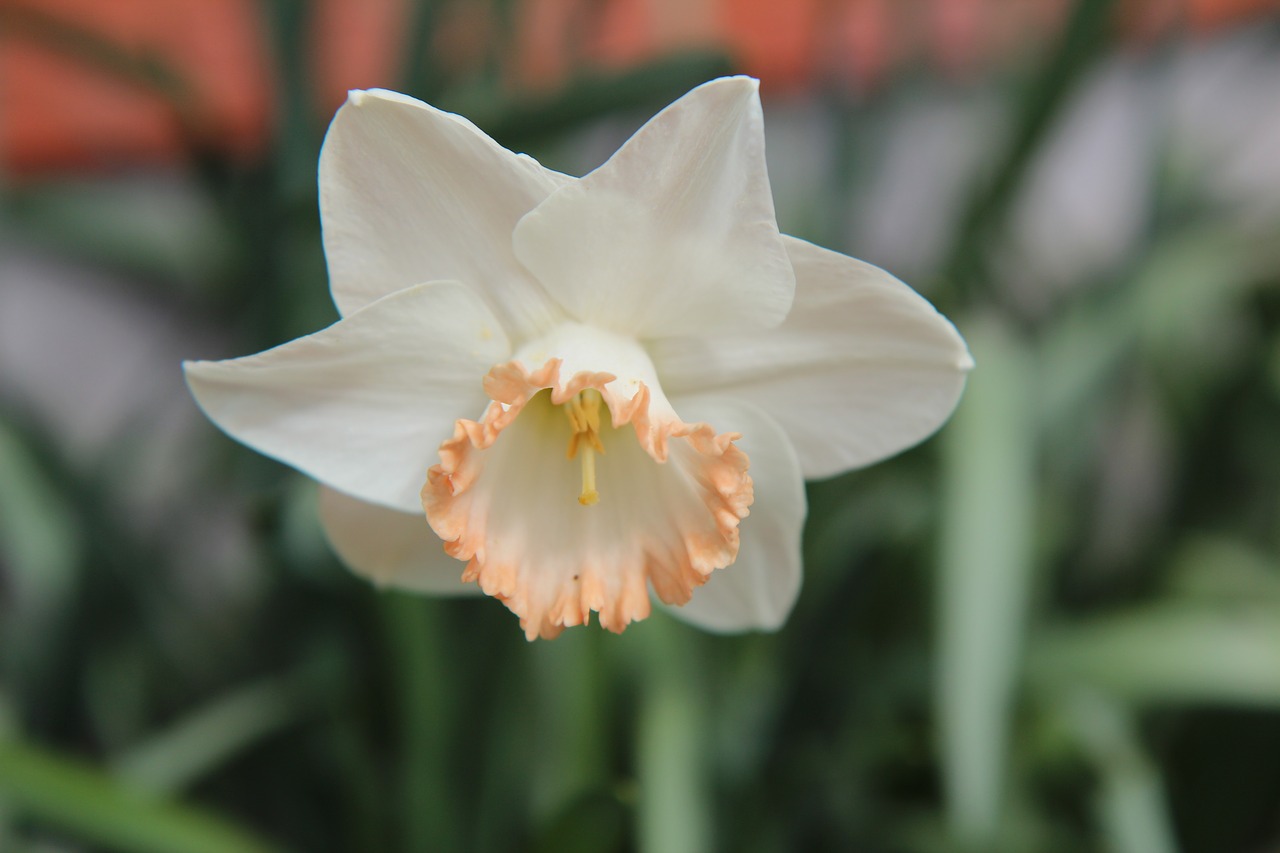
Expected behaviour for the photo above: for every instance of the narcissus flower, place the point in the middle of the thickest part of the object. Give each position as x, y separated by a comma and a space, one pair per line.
652, 368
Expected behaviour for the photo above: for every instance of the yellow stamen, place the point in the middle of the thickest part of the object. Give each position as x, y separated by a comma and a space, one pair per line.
583, 412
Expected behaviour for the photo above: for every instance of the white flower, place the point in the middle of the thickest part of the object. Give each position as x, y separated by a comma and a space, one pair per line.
627, 340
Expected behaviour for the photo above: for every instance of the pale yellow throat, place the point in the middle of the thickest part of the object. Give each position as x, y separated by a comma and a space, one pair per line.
584, 419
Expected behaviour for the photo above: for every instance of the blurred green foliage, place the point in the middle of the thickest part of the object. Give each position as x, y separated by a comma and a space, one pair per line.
978, 662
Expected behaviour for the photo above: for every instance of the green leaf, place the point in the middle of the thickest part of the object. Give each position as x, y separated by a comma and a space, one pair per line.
71, 795
191, 748
103, 56
1168, 653
1192, 279
1219, 568
989, 454
1079, 45
39, 539
161, 234
1185, 296
1130, 800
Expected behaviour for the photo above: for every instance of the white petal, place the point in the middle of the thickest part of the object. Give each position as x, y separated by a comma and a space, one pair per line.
409, 194
758, 590
390, 547
862, 368
676, 234
362, 405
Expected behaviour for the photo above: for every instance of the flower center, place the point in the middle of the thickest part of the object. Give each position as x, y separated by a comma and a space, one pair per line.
584, 419
501, 502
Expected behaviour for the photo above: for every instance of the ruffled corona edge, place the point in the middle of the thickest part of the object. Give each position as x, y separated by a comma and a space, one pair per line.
676, 497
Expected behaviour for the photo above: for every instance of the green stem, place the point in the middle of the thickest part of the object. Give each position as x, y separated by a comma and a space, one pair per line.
674, 808
422, 687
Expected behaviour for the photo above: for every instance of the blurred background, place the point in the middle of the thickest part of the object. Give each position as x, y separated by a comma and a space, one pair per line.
1054, 627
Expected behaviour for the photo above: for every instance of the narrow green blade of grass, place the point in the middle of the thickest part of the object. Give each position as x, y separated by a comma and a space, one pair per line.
200, 742
73, 796
1168, 653
39, 541
1130, 800
1079, 45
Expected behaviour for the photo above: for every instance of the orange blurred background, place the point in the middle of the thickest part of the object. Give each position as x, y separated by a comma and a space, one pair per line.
193, 72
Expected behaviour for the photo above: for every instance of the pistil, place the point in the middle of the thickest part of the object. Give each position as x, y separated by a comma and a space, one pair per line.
589, 494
